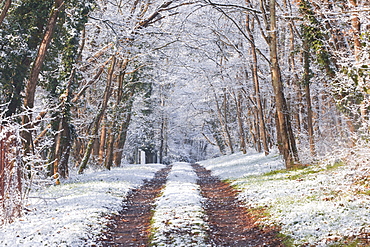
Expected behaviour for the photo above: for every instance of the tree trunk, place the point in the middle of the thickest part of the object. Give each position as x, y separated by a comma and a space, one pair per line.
356, 30
98, 118
239, 99
225, 121
260, 114
111, 132
63, 141
287, 144
5, 10
222, 119
256, 130
110, 149
62, 150
102, 141
29, 98
163, 133
298, 110
306, 81
162, 146
121, 140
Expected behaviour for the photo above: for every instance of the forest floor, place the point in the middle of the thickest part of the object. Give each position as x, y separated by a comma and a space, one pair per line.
233, 200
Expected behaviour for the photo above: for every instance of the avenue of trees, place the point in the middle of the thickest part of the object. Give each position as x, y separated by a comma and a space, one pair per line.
91, 82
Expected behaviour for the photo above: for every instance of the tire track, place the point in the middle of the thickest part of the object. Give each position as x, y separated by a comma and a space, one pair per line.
131, 227
228, 220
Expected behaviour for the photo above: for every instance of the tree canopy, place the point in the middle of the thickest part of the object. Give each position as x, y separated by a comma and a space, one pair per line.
93, 82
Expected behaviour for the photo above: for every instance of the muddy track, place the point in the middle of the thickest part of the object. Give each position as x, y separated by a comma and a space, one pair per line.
131, 227
229, 222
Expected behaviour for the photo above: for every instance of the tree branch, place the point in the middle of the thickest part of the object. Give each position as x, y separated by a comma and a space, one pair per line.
233, 6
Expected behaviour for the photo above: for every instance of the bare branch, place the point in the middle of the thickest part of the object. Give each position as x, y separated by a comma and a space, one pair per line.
241, 31
233, 6
86, 86
208, 140
99, 53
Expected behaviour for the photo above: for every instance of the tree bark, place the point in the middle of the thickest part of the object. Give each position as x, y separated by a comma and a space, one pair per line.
102, 142
310, 120
239, 99
163, 132
227, 131
63, 140
260, 115
62, 150
29, 98
121, 140
5, 10
223, 118
110, 148
287, 144
356, 30
306, 81
98, 118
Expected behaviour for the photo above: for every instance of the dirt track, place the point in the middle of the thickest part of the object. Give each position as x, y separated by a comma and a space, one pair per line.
229, 222
131, 227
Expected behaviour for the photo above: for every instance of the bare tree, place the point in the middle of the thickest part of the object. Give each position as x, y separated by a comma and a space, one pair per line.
99, 117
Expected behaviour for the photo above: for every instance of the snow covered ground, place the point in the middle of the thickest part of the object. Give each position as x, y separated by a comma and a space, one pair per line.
315, 206
238, 165
178, 218
71, 213
318, 205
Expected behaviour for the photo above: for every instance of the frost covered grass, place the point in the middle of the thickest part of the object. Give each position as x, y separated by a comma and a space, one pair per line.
327, 204
239, 165
321, 205
178, 218
71, 214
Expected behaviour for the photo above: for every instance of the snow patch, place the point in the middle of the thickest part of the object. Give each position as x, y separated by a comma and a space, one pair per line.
71, 214
178, 218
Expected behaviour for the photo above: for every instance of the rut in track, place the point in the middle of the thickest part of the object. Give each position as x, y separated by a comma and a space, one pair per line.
131, 226
229, 222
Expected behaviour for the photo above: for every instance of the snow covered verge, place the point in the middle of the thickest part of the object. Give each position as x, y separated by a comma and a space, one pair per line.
178, 219
71, 214
320, 205
238, 165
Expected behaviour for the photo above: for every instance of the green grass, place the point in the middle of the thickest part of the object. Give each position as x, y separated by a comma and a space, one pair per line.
307, 173
271, 173
259, 212
301, 171
365, 192
152, 229
304, 172
288, 241
348, 243
336, 165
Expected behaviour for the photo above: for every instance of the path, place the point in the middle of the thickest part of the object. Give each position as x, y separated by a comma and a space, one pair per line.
131, 227
230, 224
226, 221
